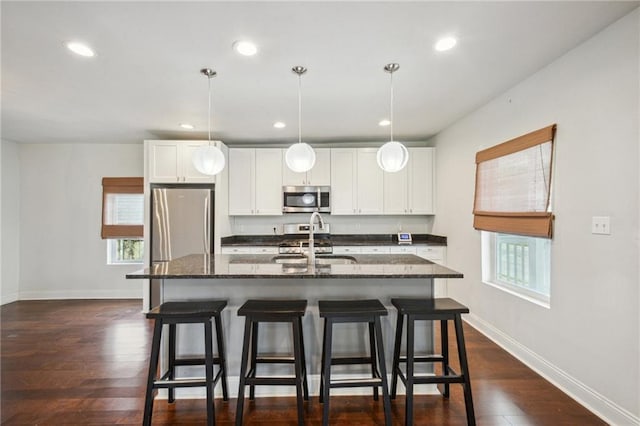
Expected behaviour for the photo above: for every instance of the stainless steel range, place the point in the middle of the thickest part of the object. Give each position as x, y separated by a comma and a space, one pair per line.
296, 239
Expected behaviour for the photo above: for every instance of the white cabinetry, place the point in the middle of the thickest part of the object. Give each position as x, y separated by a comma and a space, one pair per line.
255, 181
249, 250
171, 162
436, 254
356, 182
320, 174
410, 191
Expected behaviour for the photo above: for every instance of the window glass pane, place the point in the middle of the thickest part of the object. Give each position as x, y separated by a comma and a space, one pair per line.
124, 209
125, 251
518, 264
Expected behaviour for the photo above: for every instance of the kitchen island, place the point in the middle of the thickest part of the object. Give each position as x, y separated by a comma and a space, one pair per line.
237, 278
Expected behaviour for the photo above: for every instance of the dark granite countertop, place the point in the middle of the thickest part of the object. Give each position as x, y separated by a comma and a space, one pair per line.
336, 240
198, 266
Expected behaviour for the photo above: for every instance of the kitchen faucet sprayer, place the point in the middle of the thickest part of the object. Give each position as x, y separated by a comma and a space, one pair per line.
312, 253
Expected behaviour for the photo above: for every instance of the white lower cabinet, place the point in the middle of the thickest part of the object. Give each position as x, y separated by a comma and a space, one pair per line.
249, 250
436, 254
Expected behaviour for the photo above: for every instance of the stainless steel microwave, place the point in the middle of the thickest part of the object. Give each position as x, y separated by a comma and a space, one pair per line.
306, 199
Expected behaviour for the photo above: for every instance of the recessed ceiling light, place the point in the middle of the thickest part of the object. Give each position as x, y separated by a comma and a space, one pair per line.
245, 48
187, 126
80, 49
384, 123
279, 125
445, 43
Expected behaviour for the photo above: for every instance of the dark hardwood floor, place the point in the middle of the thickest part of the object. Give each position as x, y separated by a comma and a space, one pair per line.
84, 362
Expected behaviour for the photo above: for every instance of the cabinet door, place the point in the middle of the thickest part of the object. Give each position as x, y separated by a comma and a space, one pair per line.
396, 191
321, 172
289, 177
189, 172
370, 182
163, 161
241, 181
421, 181
268, 181
343, 181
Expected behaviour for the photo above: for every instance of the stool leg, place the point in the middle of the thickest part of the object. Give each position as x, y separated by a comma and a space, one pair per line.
372, 352
383, 374
298, 359
254, 356
396, 356
222, 357
304, 362
444, 343
410, 370
326, 357
243, 370
324, 342
462, 351
208, 341
153, 368
172, 361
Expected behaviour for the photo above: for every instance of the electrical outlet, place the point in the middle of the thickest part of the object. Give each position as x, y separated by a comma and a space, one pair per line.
601, 225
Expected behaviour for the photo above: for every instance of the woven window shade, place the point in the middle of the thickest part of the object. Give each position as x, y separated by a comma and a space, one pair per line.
513, 185
122, 207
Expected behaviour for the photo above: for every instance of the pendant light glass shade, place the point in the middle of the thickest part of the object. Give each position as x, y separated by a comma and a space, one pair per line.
208, 159
392, 156
300, 157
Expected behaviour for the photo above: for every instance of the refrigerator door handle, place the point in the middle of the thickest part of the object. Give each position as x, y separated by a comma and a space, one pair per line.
205, 235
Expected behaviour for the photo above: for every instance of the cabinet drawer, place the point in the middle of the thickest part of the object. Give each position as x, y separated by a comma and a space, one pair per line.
402, 250
236, 250
264, 250
374, 249
346, 249
434, 253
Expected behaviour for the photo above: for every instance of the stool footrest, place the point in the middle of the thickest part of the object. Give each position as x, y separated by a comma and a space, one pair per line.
351, 360
181, 362
453, 377
186, 383
424, 358
275, 359
271, 381
348, 383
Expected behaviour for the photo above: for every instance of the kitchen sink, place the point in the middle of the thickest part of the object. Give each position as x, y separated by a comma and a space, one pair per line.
320, 260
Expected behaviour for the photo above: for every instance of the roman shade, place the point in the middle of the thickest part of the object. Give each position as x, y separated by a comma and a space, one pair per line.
122, 207
513, 185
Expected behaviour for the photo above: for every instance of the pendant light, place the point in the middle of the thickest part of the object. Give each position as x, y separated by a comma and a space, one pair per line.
392, 156
300, 157
208, 159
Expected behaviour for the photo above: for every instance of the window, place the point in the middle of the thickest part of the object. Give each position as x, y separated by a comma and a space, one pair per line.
122, 219
512, 207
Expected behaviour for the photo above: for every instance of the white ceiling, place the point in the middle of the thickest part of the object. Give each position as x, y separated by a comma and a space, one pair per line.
145, 78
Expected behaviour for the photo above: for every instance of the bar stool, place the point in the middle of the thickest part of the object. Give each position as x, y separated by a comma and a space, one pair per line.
173, 313
353, 311
267, 310
443, 310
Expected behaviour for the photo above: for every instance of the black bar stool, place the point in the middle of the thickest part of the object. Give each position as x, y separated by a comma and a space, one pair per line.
443, 310
267, 310
353, 311
173, 313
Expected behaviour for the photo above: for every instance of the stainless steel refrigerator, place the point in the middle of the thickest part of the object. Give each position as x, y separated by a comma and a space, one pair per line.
181, 224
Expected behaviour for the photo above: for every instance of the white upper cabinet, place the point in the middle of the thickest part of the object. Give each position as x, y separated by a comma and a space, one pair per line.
320, 174
255, 181
410, 191
356, 182
171, 162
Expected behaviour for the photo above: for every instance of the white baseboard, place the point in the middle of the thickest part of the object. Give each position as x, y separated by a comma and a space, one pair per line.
314, 388
133, 293
9, 298
597, 403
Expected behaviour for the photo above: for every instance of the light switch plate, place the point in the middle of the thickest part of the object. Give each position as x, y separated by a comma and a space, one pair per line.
601, 225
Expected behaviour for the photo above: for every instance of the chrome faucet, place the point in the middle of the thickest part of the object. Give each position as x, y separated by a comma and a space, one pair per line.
312, 252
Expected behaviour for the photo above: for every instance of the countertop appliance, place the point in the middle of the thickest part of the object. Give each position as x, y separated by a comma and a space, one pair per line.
181, 224
306, 199
296, 238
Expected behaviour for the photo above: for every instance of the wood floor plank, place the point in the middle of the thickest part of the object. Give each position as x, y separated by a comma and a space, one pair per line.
84, 362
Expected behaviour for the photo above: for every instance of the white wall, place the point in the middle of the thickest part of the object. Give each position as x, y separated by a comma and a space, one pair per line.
9, 222
588, 341
61, 253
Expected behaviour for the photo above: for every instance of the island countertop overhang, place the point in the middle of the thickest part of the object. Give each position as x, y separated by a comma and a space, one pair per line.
263, 266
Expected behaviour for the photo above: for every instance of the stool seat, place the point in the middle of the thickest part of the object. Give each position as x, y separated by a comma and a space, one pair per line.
173, 314
351, 308
416, 306
198, 309
273, 308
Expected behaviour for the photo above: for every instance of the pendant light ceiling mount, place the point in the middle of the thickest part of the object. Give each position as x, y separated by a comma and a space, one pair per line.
393, 155
300, 157
208, 159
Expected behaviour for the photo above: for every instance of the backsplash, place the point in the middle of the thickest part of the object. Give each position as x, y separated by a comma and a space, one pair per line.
264, 225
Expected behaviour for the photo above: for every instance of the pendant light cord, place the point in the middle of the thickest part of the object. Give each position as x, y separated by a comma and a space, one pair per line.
209, 115
299, 108
391, 106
